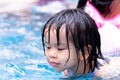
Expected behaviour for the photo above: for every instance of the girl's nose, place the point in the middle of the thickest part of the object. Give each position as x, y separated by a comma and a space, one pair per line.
53, 53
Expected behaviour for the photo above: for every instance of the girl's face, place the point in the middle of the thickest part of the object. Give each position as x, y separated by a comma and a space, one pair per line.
57, 55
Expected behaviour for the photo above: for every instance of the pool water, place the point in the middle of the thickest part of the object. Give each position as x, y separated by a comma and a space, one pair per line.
21, 51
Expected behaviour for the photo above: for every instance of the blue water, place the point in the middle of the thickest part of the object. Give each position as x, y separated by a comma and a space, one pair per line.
21, 53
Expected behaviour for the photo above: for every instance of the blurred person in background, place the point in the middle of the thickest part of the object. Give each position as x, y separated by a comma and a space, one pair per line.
106, 14
104, 10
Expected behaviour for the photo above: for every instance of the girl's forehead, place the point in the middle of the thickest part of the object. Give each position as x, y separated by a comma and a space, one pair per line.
53, 29
51, 32
51, 37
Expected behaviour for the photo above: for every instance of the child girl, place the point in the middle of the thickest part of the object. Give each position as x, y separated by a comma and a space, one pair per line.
71, 43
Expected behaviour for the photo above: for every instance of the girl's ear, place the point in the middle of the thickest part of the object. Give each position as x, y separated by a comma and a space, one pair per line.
89, 47
87, 50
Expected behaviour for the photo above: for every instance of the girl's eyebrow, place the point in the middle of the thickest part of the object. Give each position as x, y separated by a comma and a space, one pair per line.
63, 44
47, 43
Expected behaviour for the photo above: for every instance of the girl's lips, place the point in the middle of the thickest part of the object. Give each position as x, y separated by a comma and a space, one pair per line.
54, 64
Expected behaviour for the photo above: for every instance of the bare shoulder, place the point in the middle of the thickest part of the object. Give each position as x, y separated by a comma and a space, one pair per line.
112, 68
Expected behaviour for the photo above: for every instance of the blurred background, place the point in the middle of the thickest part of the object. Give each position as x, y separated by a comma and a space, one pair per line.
22, 5
21, 52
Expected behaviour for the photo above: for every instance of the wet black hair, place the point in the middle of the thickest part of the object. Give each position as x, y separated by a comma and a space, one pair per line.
101, 5
81, 30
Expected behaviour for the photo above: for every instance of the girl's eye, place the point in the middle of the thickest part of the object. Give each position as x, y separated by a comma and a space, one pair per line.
61, 49
47, 47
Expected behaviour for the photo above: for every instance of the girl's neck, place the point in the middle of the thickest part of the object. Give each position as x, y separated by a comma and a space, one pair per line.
80, 70
114, 9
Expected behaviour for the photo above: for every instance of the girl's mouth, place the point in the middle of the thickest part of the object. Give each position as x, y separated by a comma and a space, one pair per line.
54, 64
